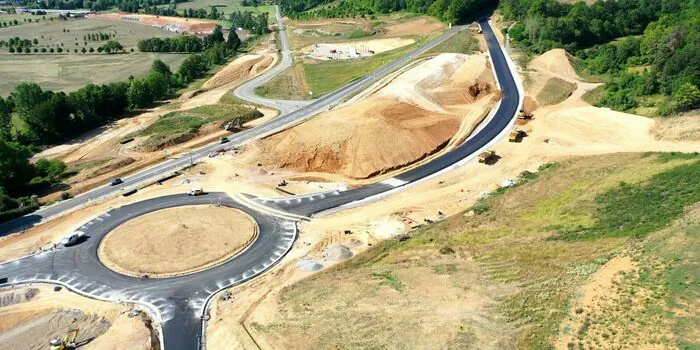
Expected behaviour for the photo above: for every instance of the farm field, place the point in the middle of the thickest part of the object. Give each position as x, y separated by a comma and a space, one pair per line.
225, 6
69, 70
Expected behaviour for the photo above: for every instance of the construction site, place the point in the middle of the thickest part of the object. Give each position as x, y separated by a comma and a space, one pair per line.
427, 264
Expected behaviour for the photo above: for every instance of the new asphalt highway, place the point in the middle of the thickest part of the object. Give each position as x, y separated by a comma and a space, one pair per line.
278, 124
178, 303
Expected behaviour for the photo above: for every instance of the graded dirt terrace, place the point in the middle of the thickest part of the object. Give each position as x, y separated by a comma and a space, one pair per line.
177, 241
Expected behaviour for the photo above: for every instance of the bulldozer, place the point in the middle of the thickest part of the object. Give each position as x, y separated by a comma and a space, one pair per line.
516, 135
485, 156
68, 341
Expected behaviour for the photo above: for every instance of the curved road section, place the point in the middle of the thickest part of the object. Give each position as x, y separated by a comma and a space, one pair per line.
501, 120
278, 124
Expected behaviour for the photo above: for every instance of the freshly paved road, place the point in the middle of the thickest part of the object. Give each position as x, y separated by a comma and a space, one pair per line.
278, 124
178, 300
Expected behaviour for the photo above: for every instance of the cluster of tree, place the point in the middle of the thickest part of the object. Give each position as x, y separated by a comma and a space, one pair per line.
111, 46
546, 24
185, 43
669, 51
15, 22
666, 56
453, 11
98, 36
18, 42
256, 23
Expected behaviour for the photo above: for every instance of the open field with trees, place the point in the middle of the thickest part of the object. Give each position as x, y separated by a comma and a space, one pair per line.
69, 70
594, 252
647, 52
32, 118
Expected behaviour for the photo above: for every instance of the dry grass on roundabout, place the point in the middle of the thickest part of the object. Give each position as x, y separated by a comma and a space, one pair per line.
177, 241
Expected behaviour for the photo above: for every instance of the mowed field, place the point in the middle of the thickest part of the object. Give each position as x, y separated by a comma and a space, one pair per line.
69, 71
225, 6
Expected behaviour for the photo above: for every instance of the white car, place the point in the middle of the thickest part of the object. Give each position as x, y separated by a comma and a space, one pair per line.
71, 239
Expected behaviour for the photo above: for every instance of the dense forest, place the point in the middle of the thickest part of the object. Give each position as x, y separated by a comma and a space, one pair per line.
453, 11
648, 51
32, 118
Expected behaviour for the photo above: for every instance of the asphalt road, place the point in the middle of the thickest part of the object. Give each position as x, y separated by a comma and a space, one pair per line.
278, 124
178, 300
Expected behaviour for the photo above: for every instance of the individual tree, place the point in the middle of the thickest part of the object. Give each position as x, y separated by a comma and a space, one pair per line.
687, 96
5, 119
162, 68
15, 169
35, 41
157, 84
138, 94
233, 42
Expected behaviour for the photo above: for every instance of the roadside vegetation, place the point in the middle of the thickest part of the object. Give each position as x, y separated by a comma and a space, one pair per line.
289, 85
177, 127
516, 270
646, 52
555, 91
462, 42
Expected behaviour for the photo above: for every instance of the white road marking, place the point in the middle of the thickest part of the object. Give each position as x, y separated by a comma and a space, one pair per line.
394, 182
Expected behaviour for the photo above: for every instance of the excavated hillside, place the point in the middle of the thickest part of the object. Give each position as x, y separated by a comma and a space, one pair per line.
413, 116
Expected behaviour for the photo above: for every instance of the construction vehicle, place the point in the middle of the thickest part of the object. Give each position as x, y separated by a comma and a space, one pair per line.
524, 115
516, 135
486, 156
195, 191
233, 125
68, 341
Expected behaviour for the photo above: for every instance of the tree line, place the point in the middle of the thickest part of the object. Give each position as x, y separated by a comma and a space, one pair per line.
452, 11
660, 38
32, 118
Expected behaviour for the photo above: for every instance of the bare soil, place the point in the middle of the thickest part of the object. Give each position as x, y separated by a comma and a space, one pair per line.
188, 25
177, 241
419, 26
32, 322
414, 116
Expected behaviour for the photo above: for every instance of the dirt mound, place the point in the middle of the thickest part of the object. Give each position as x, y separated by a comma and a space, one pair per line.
556, 61
240, 68
177, 241
414, 116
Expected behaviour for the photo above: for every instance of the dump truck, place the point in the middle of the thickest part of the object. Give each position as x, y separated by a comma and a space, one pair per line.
485, 156
516, 135
68, 341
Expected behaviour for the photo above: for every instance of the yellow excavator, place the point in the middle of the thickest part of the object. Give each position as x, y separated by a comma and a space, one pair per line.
68, 341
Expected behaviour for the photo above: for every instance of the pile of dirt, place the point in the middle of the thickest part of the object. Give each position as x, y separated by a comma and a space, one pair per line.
557, 62
239, 69
177, 241
412, 117
338, 252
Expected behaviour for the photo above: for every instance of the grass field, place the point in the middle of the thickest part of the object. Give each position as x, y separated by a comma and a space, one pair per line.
555, 91
70, 71
514, 276
462, 42
326, 76
289, 85
227, 6
177, 127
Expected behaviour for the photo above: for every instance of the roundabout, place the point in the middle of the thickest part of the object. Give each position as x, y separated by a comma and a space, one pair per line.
177, 241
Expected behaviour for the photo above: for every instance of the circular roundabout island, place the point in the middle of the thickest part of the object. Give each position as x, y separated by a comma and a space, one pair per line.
177, 241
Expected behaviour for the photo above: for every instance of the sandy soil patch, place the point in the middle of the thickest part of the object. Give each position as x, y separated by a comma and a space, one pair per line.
31, 316
680, 128
178, 24
420, 26
240, 68
177, 241
557, 62
414, 116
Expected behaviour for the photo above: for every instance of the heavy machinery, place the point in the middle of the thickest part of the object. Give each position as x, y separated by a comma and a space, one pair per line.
234, 125
524, 115
486, 156
516, 135
68, 341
